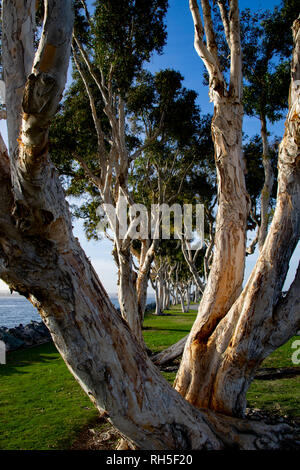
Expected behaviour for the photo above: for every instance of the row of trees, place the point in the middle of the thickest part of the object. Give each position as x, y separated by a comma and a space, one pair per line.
149, 142
168, 142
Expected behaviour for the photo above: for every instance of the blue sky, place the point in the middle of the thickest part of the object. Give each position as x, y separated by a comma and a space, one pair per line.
180, 55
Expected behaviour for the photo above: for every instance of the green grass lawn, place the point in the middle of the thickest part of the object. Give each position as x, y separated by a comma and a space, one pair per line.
281, 395
43, 407
163, 331
41, 404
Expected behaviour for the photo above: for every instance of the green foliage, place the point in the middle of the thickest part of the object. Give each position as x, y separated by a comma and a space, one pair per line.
267, 46
184, 149
127, 32
280, 396
255, 171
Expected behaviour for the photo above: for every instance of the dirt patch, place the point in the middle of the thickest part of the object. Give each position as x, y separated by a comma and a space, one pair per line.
99, 435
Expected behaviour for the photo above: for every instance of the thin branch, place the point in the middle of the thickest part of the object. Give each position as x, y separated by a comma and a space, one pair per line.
225, 21
87, 14
150, 140
172, 198
91, 69
95, 179
97, 122
215, 75
209, 31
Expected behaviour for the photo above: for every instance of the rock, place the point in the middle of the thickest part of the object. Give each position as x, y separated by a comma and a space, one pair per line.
150, 306
24, 336
11, 341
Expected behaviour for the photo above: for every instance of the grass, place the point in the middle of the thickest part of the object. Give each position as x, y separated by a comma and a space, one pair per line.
281, 395
42, 406
163, 331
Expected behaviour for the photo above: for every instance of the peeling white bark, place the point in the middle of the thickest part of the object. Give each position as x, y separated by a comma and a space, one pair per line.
268, 186
42, 260
227, 271
228, 357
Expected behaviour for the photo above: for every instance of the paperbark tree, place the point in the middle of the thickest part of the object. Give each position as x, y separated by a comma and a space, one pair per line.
266, 85
107, 70
41, 259
234, 330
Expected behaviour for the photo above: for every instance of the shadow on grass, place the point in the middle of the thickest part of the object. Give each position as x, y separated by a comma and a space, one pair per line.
16, 360
153, 328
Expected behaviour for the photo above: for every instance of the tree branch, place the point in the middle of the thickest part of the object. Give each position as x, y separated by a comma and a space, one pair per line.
209, 32
18, 21
286, 316
95, 179
217, 82
91, 70
235, 86
87, 14
97, 122
225, 20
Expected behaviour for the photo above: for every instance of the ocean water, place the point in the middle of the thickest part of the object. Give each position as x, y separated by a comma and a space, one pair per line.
15, 309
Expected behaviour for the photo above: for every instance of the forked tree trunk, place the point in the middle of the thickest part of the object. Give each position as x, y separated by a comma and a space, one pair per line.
182, 301
41, 259
226, 276
229, 354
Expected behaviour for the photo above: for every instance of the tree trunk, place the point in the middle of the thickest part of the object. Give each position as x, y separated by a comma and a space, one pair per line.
229, 355
226, 276
158, 305
169, 354
181, 294
141, 288
268, 185
166, 296
41, 259
145, 261
188, 297
159, 293
128, 295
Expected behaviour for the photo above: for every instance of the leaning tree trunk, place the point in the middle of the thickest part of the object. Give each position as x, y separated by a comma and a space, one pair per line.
41, 259
169, 354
